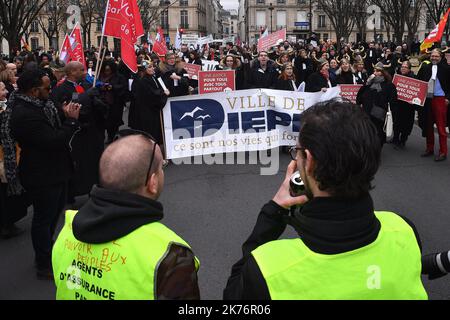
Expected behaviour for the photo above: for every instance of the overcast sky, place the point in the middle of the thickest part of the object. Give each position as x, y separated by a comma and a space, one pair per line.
230, 4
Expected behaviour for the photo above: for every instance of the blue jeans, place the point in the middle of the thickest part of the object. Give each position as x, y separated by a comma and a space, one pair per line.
48, 203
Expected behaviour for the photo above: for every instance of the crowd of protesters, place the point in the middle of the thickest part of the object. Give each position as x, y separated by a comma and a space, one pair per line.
55, 123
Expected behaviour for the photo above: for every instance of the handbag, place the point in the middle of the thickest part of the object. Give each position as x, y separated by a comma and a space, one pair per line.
389, 124
378, 113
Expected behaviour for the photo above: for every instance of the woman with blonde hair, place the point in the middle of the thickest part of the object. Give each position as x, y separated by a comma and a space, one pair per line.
231, 62
344, 75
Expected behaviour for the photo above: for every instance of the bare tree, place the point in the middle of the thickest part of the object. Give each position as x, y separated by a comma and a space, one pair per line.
437, 8
395, 13
361, 16
53, 19
91, 13
151, 11
16, 17
413, 20
340, 14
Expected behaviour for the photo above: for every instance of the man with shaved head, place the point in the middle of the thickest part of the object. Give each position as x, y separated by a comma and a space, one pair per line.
88, 144
126, 252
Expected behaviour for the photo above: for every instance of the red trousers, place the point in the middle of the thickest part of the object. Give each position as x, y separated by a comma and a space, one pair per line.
439, 116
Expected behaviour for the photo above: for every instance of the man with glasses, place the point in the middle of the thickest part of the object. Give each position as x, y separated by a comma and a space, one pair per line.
45, 164
344, 249
115, 247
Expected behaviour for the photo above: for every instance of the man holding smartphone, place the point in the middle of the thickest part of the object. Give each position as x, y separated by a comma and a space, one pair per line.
343, 245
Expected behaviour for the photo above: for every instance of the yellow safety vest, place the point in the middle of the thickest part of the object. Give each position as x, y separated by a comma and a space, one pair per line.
119, 270
388, 268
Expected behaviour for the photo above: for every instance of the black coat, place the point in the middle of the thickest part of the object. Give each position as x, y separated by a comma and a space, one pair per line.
88, 143
182, 89
45, 157
443, 75
368, 98
303, 68
344, 77
403, 116
286, 85
149, 100
258, 78
316, 82
119, 96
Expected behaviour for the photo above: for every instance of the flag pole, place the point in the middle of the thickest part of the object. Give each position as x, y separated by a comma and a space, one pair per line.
97, 67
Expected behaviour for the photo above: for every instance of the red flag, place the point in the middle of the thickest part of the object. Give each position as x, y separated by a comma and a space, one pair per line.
123, 20
436, 34
66, 50
77, 46
160, 47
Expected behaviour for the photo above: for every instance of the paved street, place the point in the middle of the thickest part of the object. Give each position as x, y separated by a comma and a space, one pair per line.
214, 209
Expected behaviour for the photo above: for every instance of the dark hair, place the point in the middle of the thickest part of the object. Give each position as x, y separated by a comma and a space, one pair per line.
30, 79
111, 64
345, 146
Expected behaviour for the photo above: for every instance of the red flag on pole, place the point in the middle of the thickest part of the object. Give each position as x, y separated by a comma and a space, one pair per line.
77, 46
435, 34
65, 53
160, 47
123, 21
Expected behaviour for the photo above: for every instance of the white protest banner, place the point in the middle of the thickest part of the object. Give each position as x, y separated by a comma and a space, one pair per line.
209, 65
189, 39
204, 40
236, 121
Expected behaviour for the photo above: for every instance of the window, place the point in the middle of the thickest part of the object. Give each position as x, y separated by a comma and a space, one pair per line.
51, 25
325, 36
184, 3
281, 19
281, 1
34, 43
261, 18
34, 26
54, 43
99, 26
51, 5
165, 19
260, 1
321, 21
301, 1
184, 19
99, 38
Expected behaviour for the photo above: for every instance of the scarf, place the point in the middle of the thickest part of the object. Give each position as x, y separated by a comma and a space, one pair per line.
375, 83
325, 74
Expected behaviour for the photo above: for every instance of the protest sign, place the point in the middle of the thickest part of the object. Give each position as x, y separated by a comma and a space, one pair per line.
411, 90
192, 70
236, 121
350, 91
271, 40
209, 65
215, 81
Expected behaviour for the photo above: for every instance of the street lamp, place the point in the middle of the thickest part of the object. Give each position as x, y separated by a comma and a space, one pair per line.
271, 10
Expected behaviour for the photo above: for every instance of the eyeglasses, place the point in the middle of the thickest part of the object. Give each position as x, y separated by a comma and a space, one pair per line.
131, 132
293, 152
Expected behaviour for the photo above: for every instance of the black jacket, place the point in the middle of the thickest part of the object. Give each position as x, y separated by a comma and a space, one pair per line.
286, 85
258, 78
45, 156
149, 100
303, 69
344, 77
316, 82
443, 75
316, 225
109, 215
